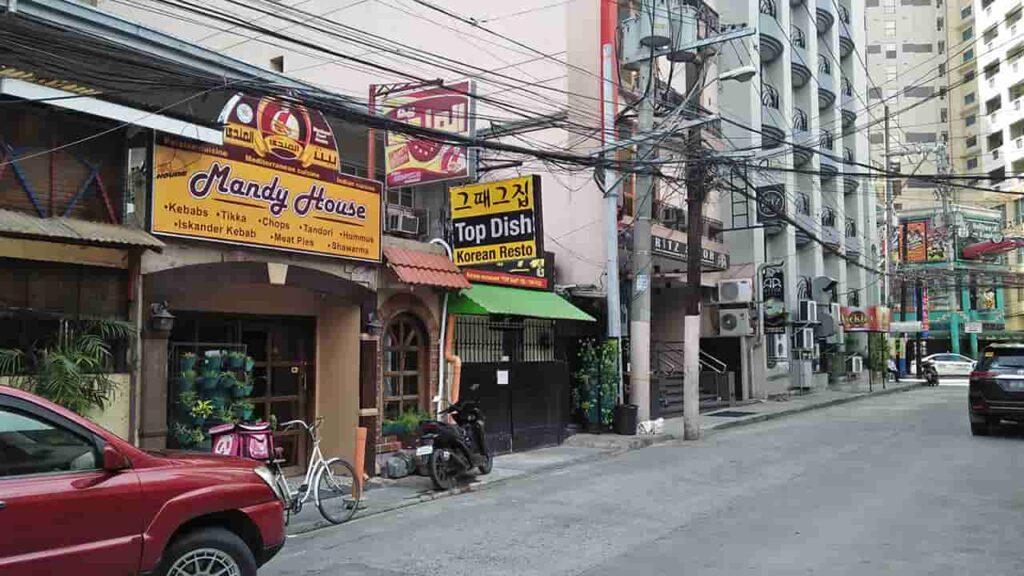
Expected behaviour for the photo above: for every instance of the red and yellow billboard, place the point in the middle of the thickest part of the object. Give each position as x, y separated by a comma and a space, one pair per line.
866, 319
274, 184
914, 239
412, 160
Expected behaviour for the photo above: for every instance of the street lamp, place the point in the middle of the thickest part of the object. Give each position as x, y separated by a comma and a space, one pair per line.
739, 74
161, 320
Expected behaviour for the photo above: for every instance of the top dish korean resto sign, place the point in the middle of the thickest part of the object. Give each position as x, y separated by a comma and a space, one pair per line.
274, 184
410, 160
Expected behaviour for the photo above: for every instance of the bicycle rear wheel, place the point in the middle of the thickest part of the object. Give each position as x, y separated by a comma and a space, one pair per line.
338, 491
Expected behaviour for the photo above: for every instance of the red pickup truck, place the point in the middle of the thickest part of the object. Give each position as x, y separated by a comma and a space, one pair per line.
76, 499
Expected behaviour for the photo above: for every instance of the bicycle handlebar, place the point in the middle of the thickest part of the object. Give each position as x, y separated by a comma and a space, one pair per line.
319, 420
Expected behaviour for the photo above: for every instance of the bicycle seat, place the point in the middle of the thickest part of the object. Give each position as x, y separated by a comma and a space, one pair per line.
279, 452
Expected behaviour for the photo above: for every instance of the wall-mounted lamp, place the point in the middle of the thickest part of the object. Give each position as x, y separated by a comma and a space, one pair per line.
160, 319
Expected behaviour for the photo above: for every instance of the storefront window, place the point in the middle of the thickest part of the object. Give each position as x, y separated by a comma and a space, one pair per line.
405, 353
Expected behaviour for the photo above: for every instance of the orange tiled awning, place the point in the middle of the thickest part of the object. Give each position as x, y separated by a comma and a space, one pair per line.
424, 268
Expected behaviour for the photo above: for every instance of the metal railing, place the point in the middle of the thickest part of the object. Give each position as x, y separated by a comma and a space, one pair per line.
826, 140
847, 154
799, 120
803, 204
824, 65
851, 228
844, 15
798, 37
670, 359
828, 217
769, 96
846, 87
768, 8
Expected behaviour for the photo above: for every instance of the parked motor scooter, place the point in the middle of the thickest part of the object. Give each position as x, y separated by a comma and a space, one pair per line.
450, 450
931, 375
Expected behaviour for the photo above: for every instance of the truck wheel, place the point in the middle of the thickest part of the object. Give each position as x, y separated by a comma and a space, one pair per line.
208, 551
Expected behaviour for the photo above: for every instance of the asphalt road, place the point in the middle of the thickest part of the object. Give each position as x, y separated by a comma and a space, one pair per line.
889, 485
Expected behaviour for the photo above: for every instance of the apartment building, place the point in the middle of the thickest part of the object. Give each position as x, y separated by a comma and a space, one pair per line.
814, 215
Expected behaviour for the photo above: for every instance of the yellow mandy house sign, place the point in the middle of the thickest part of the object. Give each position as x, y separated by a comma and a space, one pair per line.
274, 184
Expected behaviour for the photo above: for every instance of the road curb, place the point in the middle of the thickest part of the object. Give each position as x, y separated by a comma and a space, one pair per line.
801, 409
659, 440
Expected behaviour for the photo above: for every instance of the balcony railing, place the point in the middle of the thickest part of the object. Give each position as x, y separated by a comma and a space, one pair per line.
846, 87
828, 217
798, 37
803, 204
844, 15
769, 96
824, 65
826, 140
851, 228
799, 120
847, 154
768, 8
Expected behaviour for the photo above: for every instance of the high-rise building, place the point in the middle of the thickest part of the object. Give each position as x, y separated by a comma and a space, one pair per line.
814, 217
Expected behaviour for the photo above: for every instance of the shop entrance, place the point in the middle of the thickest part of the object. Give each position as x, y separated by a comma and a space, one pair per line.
284, 365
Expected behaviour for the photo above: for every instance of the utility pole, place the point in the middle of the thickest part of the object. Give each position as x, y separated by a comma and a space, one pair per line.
611, 198
887, 284
640, 299
696, 173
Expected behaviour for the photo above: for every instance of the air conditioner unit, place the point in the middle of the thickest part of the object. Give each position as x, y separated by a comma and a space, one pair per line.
734, 322
778, 346
403, 221
856, 365
735, 291
807, 312
803, 339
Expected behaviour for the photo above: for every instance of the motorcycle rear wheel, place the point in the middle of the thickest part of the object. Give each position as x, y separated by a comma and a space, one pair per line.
486, 466
441, 473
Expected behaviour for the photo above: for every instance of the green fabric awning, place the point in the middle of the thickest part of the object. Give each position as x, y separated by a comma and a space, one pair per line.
484, 300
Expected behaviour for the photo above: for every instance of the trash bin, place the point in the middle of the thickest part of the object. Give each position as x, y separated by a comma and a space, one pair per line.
624, 420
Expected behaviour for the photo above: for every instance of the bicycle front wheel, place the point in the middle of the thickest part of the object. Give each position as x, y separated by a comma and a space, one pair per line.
338, 491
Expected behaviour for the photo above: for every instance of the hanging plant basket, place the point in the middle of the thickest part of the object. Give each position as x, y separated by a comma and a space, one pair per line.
214, 361
188, 362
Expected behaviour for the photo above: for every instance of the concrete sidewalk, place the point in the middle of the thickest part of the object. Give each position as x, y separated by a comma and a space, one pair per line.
385, 495
740, 414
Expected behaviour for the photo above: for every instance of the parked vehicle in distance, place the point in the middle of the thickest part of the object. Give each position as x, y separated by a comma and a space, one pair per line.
949, 365
76, 499
996, 390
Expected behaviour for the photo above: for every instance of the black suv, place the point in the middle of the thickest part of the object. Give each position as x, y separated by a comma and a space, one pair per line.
997, 388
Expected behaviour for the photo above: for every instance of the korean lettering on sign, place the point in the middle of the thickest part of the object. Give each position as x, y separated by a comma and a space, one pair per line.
496, 221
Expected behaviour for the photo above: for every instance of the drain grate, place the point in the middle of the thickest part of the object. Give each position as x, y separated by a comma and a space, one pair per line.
732, 414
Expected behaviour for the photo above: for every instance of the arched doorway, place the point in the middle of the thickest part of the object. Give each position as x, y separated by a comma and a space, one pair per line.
405, 365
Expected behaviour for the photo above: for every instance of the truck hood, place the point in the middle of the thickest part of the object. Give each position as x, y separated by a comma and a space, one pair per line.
182, 458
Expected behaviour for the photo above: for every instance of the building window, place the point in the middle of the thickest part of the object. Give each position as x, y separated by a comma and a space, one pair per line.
938, 24
972, 163
890, 6
890, 51
969, 55
277, 63
972, 141
942, 46
942, 69
991, 34
970, 120
968, 76
405, 363
943, 114
967, 34
969, 99
403, 197
890, 28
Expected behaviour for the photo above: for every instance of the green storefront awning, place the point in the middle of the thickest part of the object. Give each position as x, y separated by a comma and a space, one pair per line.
484, 300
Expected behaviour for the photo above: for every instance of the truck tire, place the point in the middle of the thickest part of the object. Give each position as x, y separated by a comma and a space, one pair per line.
208, 551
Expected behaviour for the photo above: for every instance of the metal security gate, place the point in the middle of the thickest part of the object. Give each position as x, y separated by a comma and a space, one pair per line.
523, 391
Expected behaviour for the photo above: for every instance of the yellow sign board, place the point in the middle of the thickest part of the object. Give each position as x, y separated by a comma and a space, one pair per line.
496, 221
274, 184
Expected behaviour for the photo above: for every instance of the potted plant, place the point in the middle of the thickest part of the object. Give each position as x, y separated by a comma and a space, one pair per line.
236, 360
188, 361
211, 379
183, 434
73, 368
392, 427
227, 380
187, 398
199, 438
214, 360
242, 387
201, 410
187, 381
249, 363
595, 390
243, 410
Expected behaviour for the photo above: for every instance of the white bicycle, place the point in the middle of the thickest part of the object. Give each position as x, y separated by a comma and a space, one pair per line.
332, 483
